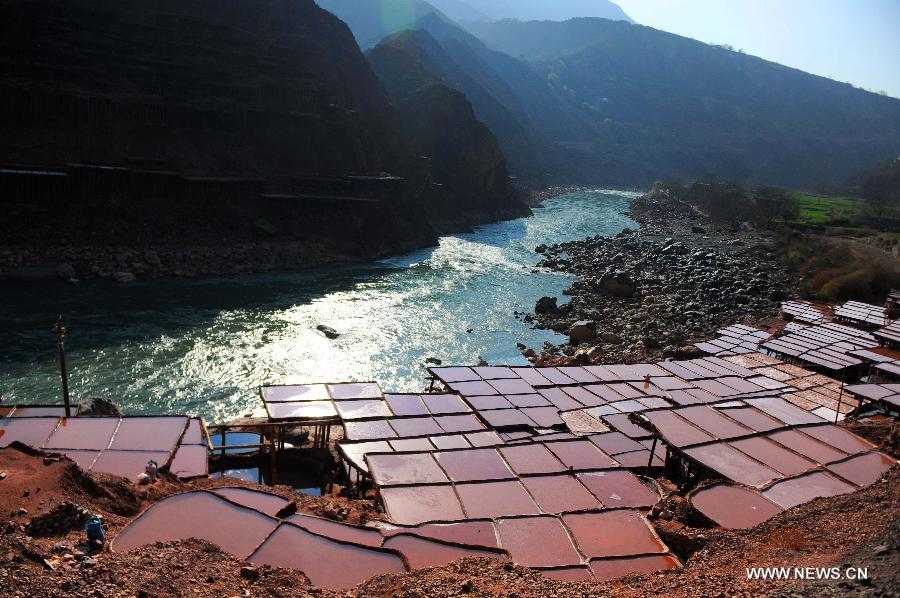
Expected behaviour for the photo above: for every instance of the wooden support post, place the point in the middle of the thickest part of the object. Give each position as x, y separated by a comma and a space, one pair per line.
273, 462
60, 343
837, 415
652, 453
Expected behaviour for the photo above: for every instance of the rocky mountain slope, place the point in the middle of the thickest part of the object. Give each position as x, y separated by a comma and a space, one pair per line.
466, 160
461, 62
663, 106
541, 109
127, 123
208, 87
604, 102
179, 120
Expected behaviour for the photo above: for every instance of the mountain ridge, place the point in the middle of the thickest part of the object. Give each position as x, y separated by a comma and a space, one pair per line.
465, 157
372, 21
662, 98
531, 10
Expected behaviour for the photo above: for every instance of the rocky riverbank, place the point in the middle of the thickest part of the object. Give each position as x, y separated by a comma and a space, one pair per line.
207, 254
650, 293
66, 262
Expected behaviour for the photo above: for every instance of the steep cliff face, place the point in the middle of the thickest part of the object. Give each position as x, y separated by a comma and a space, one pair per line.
253, 87
132, 122
466, 161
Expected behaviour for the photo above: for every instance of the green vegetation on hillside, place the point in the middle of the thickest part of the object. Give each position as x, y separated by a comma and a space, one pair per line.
873, 202
838, 269
819, 209
845, 216
768, 207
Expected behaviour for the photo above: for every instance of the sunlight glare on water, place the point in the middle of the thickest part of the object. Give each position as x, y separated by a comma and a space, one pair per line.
202, 347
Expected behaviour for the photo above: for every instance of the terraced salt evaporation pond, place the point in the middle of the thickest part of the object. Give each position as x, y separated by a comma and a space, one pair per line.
201, 347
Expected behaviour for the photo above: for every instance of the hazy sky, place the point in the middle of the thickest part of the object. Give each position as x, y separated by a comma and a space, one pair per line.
857, 41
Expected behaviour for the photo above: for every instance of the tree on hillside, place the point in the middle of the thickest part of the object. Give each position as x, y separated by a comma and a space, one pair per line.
880, 187
724, 201
771, 204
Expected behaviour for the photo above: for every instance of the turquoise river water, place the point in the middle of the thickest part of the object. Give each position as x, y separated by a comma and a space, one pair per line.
202, 347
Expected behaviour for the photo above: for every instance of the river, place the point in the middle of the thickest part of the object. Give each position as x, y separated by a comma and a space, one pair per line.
202, 347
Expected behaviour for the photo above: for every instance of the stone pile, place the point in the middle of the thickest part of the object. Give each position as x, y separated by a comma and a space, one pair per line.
62, 519
653, 291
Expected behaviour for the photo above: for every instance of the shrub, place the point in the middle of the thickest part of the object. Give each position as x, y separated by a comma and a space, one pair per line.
834, 271
852, 285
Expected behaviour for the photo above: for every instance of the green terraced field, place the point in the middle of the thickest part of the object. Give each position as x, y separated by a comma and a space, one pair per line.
816, 209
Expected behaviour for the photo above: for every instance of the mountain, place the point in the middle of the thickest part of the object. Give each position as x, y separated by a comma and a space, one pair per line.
596, 101
468, 71
208, 87
373, 20
516, 102
533, 10
466, 160
129, 122
460, 11
536, 41
488, 78
664, 106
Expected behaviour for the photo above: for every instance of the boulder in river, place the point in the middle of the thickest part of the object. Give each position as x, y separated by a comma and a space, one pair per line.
123, 277
546, 305
99, 406
65, 271
328, 331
